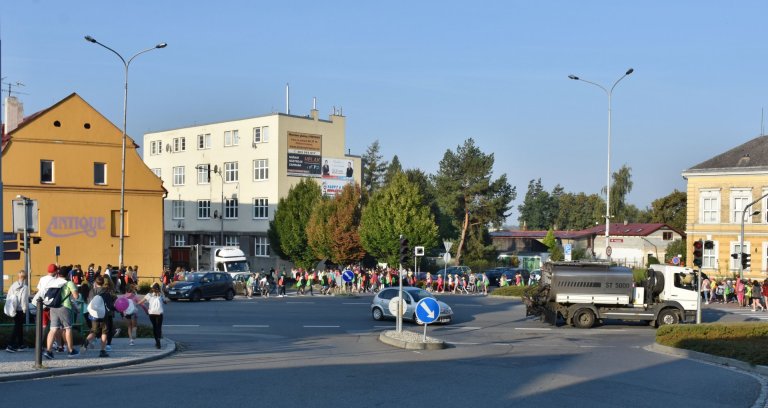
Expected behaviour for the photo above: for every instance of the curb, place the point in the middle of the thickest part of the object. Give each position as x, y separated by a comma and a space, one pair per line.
709, 358
53, 372
410, 345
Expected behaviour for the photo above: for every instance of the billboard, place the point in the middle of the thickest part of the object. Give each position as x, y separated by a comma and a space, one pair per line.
336, 174
304, 154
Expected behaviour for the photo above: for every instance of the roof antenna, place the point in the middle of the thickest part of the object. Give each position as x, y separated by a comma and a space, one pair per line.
287, 98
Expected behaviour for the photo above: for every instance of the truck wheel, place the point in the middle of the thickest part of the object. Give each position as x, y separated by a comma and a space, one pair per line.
583, 319
668, 316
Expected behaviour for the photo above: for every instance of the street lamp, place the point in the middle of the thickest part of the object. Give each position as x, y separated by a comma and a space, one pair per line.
125, 120
741, 236
609, 93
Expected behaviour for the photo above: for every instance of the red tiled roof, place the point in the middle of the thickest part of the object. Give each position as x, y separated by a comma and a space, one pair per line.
617, 229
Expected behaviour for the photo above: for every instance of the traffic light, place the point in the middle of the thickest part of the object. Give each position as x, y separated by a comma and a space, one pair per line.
697, 253
404, 251
36, 240
745, 260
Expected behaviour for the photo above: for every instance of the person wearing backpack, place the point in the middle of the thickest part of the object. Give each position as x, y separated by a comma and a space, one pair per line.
97, 310
58, 297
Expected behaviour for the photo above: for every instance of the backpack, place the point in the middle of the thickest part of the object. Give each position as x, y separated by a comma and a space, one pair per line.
54, 297
109, 304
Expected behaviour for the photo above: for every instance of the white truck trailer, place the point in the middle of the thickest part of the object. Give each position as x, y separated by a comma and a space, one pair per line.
583, 293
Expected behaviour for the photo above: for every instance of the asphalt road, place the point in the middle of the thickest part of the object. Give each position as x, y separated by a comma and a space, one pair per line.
324, 352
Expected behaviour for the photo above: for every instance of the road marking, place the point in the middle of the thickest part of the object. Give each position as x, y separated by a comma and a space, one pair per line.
321, 327
384, 327
533, 328
464, 344
251, 325
597, 346
181, 325
501, 344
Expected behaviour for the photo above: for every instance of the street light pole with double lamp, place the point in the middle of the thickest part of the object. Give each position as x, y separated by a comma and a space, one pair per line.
609, 93
126, 64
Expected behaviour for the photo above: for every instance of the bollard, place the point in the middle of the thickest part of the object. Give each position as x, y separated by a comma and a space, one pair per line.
39, 334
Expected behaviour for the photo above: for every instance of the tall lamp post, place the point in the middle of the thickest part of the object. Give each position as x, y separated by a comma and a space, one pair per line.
741, 235
609, 93
219, 171
125, 121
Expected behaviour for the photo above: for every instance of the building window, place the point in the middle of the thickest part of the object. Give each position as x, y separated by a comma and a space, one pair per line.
710, 206
260, 169
204, 141
46, 171
158, 172
231, 137
231, 240
179, 239
178, 176
709, 257
666, 235
179, 144
261, 134
260, 208
212, 240
256, 135
739, 200
261, 246
230, 172
155, 147
177, 209
203, 173
203, 209
230, 208
100, 174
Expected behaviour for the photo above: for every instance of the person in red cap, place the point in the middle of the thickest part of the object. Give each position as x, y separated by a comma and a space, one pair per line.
61, 316
42, 286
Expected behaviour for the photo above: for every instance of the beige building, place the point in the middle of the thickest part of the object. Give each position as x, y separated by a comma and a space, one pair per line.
225, 179
67, 158
719, 189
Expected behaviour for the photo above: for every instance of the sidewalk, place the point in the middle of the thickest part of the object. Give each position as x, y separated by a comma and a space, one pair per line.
21, 365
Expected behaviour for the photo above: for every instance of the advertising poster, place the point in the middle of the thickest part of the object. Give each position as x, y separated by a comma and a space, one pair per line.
304, 154
340, 169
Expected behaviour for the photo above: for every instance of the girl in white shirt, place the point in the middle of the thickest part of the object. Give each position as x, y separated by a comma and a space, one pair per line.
155, 300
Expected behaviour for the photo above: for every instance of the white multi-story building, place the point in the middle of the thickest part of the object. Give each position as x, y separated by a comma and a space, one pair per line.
224, 179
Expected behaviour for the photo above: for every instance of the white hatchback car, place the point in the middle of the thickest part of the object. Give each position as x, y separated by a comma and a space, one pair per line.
412, 295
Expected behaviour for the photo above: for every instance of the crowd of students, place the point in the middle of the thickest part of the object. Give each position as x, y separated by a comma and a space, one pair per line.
94, 296
743, 292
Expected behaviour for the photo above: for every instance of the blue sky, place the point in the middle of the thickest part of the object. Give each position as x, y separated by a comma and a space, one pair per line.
421, 77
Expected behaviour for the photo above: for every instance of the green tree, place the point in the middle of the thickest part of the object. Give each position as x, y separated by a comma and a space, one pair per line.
671, 210
394, 168
467, 193
675, 248
373, 168
549, 240
288, 230
620, 188
319, 232
397, 209
579, 211
539, 209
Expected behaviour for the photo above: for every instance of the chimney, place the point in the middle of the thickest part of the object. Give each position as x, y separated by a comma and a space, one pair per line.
313, 112
14, 113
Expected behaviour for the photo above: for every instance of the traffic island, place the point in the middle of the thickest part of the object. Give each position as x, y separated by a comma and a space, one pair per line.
410, 340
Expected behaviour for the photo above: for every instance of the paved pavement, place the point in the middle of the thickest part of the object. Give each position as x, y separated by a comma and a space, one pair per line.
21, 365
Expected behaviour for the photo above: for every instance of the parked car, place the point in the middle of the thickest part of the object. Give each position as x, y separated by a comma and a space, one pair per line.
460, 270
203, 285
511, 272
494, 274
412, 295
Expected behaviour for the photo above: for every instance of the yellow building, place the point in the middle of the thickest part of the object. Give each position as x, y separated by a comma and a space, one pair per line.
719, 189
68, 159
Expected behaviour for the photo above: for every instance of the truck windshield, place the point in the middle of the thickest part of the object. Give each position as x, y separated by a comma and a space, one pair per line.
237, 266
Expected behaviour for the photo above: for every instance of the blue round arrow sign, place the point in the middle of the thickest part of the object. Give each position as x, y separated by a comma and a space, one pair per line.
427, 310
348, 275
